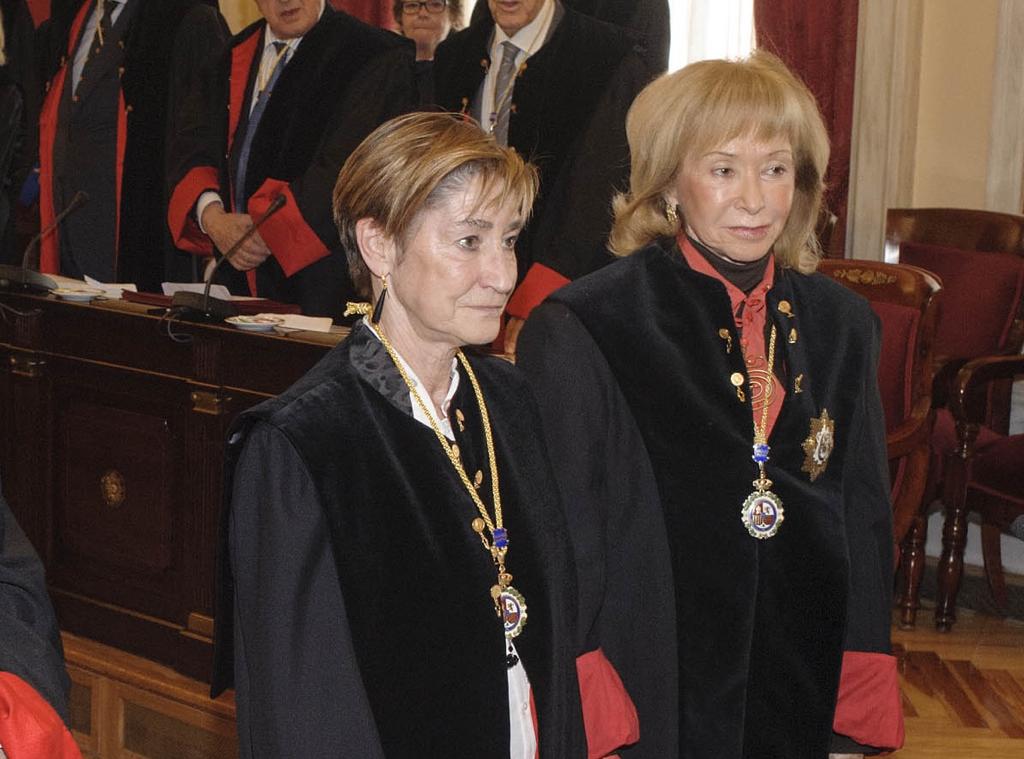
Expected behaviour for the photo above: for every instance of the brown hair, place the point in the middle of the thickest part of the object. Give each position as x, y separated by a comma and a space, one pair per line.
683, 115
454, 11
411, 163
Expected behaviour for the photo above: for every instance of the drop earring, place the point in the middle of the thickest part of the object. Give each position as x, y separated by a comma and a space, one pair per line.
378, 307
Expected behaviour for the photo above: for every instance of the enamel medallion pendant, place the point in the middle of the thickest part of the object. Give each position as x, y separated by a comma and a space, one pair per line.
762, 514
513, 611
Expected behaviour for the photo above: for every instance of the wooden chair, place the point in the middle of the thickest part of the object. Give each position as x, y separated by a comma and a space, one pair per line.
905, 298
987, 479
979, 256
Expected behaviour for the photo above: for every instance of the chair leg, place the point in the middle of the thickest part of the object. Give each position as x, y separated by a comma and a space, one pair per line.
951, 563
991, 551
911, 571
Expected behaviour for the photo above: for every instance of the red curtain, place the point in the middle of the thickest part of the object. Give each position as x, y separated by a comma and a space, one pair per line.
818, 41
374, 12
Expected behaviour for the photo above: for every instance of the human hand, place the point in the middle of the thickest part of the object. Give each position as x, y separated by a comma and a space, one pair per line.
512, 329
226, 229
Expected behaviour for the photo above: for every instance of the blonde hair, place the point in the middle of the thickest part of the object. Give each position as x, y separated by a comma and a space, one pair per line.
681, 116
413, 162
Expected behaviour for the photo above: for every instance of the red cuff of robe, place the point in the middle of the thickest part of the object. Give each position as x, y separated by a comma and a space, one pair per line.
29, 726
609, 715
539, 282
292, 241
180, 217
869, 709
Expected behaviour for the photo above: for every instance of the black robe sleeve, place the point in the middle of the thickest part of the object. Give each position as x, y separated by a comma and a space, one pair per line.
604, 477
870, 544
299, 691
30, 645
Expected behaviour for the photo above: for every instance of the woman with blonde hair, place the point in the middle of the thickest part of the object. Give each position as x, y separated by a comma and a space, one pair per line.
712, 410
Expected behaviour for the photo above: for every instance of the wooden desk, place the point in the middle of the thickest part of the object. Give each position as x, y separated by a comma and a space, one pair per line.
111, 456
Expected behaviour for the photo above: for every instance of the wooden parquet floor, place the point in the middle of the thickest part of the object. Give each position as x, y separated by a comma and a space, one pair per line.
963, 692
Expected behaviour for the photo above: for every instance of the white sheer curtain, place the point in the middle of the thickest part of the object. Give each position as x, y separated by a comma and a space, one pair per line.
710, 29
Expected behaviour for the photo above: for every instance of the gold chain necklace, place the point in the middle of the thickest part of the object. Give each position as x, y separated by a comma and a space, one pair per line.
509, 603
762, 512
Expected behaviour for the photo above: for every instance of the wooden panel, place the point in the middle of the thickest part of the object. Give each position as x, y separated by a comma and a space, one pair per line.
112, 458
126, 707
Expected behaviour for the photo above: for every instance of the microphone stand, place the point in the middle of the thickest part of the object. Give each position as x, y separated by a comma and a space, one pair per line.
202, 307
24, 278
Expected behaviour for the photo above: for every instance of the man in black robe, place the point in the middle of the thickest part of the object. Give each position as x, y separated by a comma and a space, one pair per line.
574, 79
649, 18
333, 79
103, 130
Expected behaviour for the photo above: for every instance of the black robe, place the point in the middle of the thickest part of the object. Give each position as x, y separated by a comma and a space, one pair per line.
569, 118
149, 64
344, 80
730, 646
357, 591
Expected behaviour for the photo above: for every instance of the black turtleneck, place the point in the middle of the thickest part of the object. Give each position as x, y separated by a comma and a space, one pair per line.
745, 276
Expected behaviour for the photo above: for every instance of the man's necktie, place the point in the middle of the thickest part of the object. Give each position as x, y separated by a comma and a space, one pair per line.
100, 35
262, 96
503, 86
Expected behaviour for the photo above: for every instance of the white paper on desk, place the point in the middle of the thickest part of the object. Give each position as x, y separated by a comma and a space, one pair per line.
112, 290
216, 291
303, 323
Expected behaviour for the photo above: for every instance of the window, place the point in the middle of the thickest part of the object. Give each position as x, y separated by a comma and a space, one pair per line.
710, 29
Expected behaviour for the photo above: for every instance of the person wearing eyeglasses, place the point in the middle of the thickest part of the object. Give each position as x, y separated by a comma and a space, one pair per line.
426, 22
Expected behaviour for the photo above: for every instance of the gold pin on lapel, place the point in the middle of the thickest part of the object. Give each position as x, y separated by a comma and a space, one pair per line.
796, 384
460, 418
478, 479
792, 336
785, 308
725, 335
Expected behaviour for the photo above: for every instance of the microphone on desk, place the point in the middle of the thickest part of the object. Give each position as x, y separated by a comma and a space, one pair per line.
204, 307
28, 278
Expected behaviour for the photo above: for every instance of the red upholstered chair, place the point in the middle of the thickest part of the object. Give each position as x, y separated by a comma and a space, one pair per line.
979, 256
986, 478
905, 298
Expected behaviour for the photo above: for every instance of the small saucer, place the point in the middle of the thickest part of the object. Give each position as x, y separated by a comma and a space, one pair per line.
79, 294
254, 323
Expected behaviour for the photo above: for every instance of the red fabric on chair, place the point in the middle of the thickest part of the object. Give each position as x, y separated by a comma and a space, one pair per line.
895, 366
999, 468
995, 279
944, 434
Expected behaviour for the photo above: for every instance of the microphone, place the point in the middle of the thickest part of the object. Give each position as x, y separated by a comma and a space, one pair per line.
203, 307
26, 277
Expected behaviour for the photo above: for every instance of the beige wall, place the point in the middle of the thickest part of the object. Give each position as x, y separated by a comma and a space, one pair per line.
239, 13
955, 102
